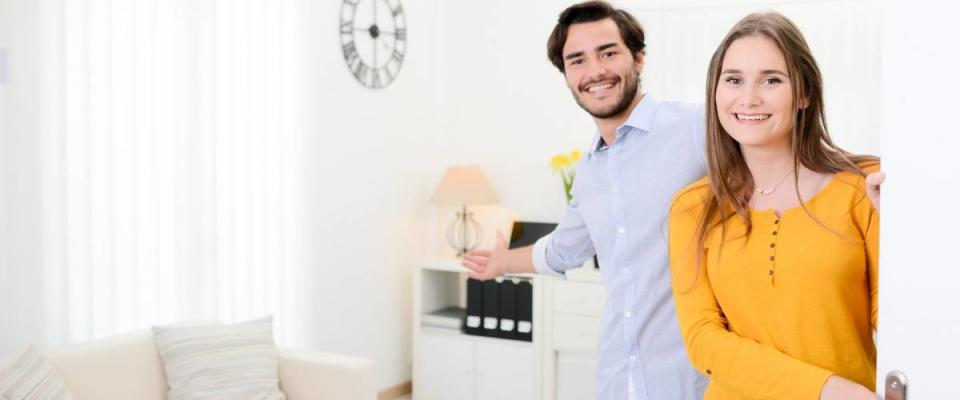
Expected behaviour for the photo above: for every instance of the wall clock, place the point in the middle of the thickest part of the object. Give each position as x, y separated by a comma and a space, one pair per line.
373, 35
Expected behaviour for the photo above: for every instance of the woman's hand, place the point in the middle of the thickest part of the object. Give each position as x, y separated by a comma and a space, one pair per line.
837, 388
873, 188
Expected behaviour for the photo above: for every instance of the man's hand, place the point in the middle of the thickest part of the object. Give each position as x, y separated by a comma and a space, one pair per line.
873, 188
488, 264
837, 388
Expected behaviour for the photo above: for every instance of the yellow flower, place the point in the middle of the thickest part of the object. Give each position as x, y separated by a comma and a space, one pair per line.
575, 155
559, 162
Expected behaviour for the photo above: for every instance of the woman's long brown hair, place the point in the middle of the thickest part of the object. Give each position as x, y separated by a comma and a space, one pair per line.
730, 181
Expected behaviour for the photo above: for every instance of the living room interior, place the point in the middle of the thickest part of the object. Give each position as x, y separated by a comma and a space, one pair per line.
214, 163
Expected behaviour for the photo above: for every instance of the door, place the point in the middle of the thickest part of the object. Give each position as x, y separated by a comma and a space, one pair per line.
447, 367
505, 370
919, 323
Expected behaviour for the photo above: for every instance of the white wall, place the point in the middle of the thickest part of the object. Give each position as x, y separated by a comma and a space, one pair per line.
20, 233
475, 87
508, 109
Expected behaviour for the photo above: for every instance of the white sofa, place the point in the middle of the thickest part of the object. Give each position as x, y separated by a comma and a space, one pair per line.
128, 367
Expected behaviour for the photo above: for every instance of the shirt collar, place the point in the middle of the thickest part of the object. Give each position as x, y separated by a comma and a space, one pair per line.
640, 118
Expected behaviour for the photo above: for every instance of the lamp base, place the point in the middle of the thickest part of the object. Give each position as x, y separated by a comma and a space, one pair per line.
464, 232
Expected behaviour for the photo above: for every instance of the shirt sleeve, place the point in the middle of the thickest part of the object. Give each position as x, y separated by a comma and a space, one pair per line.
735, 362
568, 246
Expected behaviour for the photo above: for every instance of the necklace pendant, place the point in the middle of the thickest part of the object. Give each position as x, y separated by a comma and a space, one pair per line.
766, 192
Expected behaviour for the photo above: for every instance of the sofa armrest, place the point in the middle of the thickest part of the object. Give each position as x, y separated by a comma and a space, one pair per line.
310, 375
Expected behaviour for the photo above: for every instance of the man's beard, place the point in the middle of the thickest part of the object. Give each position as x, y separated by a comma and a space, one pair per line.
629, 92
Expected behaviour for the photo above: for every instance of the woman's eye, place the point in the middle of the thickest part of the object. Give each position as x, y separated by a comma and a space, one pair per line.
732, 80
772, 81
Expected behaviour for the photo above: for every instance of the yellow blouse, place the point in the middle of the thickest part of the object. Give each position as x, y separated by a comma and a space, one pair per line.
772, 315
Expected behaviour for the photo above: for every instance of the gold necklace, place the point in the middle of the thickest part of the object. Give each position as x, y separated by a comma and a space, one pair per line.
766, 192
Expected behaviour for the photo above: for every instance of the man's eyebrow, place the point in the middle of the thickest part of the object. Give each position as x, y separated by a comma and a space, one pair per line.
580, 53
573, 55
606, 46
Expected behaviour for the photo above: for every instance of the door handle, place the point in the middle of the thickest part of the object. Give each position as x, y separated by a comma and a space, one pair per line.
895, 387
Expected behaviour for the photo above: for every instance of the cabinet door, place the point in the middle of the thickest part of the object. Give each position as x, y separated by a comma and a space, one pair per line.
576, 376
446, 368
505, 371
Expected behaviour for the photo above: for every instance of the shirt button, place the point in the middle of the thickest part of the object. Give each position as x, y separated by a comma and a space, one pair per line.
627, 314
771, 272
709, 372
621, 230
633, 358
776, 221
771, 258
774, 233
772, 245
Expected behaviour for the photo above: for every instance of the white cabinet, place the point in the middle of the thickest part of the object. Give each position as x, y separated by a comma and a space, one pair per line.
570, 344
448, 364
505, 370
576, 376
560, 362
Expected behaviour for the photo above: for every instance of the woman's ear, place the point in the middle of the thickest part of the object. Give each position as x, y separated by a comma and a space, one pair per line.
804, 103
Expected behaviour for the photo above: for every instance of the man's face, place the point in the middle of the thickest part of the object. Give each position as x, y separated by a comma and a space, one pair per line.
600, 70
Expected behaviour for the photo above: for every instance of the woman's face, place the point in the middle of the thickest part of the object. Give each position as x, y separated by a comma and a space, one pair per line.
754, 96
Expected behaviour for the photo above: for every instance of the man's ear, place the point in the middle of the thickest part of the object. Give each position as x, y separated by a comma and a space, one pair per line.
638, 61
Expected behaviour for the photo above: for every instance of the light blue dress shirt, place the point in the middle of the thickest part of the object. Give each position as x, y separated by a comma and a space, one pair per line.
621, 197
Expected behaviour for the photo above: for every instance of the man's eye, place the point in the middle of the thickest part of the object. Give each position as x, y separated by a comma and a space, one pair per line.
576, 62
609, 54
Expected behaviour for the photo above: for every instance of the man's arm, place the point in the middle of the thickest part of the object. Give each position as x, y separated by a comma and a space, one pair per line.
489, 264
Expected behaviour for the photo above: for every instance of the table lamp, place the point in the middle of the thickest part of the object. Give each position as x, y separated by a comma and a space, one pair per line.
463, 186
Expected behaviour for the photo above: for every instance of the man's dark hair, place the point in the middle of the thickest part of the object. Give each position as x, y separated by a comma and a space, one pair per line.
590, 11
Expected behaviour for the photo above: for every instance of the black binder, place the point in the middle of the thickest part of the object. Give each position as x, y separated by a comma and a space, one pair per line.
508, 309
524, 329
473, 319
491, 308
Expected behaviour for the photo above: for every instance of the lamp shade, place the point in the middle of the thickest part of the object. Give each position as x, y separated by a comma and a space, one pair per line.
464, 185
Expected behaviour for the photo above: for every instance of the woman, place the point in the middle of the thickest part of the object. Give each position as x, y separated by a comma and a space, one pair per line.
774, 253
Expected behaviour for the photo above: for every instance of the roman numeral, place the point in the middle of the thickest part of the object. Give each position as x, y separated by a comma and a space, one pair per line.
390, 76
360, 71
346, 27
401, 34
397, 55
375, 83
350, 53
398, 10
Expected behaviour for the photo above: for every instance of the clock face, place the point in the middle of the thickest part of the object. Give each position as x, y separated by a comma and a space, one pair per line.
373, 35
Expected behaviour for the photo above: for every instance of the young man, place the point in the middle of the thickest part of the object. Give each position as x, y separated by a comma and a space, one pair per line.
643, 153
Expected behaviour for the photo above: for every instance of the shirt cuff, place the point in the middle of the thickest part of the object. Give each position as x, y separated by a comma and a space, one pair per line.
540, 258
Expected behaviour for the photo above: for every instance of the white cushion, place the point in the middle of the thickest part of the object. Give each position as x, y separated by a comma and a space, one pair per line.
31, 378
119, 367
235, 362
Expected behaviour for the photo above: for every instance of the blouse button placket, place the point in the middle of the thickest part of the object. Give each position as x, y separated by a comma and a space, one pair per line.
773, 249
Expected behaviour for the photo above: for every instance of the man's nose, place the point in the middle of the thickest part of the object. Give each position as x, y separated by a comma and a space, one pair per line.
596, 69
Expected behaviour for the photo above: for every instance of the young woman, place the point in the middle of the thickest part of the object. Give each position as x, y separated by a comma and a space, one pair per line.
774, 253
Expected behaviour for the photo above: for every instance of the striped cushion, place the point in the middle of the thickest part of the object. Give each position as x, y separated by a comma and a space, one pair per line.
31, 377
235, 362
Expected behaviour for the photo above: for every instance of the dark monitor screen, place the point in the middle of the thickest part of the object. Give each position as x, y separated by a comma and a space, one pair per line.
527, 233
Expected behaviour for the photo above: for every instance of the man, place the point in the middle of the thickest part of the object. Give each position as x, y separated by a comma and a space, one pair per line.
643, 153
